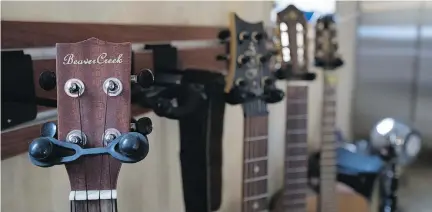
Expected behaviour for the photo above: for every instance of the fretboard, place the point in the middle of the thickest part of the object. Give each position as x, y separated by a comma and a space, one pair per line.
295, 176
93, 201
328, 201
255, 157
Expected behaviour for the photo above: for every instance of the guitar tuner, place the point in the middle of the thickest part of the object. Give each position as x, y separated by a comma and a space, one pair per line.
145, 78
244, 36
222, 57
242, 60
223, 35
257, 36
47, 80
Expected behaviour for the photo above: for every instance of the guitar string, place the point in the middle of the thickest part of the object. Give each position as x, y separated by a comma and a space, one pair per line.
85, 164
103, 144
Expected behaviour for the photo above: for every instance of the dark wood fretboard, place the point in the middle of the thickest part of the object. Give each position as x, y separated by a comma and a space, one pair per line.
255, 157
296, 150
327, 199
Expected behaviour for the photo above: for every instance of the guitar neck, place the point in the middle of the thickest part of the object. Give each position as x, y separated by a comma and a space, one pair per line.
328, 144
93, 201
295, 176
255, 157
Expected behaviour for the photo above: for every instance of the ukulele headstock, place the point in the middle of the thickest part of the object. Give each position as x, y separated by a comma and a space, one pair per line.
292, 45
247, 57
326, 44
93, 80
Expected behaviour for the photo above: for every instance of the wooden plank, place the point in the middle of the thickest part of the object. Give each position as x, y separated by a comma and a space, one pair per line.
23, 34
17, 141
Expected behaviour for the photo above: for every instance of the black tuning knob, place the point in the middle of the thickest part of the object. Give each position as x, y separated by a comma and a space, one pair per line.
244, 36
41, 148
243, 59
284, 72
144, 78
266, 57
239, 93
49, 129
224, 34
271, 93
133, 145
144, 126
222, 57
257, 36
47, 80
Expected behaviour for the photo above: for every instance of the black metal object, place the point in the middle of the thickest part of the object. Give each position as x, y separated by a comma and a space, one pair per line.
201, 144
17, 89
163, 97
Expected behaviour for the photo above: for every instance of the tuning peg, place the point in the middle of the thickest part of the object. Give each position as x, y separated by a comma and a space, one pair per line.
267, 56
41, 148
284, 72
257, 36
239, 93
144, 78
244, 36
47, 80
224, 34
222, 57
271, 93
242, 59
133, 145
49, 129
144, 125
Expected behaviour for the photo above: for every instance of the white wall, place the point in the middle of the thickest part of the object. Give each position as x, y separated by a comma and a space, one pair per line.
154, 184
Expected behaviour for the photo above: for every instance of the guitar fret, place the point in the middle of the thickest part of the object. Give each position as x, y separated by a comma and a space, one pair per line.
296, 145
257, 138
249, 180
296, 170
255, 197
296, 158
251, 160
257, 205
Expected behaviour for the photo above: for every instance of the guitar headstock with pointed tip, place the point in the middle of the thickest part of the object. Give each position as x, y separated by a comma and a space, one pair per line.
247, 58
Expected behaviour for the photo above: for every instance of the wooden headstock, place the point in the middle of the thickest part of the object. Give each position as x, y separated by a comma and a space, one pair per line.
292, 41
326, 45
92, 111
249, 75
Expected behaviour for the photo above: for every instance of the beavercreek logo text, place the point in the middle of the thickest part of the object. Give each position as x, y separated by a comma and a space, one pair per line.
101, 59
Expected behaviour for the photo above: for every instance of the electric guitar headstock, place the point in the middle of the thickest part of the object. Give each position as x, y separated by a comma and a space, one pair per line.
292, 44
93, 137
326, 44
249, 77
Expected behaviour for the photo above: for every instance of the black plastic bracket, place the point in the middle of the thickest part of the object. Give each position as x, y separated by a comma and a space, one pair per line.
165, 64
18, 103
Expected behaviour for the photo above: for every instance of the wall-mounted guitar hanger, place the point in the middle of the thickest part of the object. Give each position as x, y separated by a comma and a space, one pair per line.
169, 86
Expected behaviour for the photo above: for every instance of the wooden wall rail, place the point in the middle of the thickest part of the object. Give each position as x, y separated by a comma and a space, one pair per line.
19, 35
